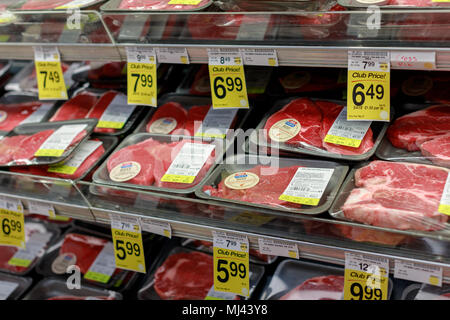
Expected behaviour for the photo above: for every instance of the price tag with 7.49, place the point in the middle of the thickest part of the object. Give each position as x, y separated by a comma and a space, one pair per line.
368, 86
231, 264
141, 76
227, 79
50, 78
12, 223
127, 240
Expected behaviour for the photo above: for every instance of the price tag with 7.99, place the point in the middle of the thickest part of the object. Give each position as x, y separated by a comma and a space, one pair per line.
12, 224
50, 77
231, 263
127, 240
227, 79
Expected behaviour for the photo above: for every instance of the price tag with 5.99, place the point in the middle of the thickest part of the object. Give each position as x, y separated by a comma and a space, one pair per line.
127, 240
227, 79
231, 263
50, 77
12, 223
141, 76
368, 86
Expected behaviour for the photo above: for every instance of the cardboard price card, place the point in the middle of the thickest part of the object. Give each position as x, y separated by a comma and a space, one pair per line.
231, 263
127, 241
12, 223
50, 77
141, 76
366, 277
368, 86
227, 79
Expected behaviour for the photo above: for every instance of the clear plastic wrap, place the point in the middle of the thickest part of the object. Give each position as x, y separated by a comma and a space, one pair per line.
393, 4
49, 4
154, 6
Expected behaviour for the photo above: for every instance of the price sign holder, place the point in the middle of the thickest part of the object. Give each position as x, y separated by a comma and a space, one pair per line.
50, 77
12, 223
141, 76
366, 277
231, 263
127, 241
368, 86
226, 72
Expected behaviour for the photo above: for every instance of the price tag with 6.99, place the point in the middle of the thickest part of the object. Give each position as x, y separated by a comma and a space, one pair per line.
141, 76
12, 224
231, 263
226, 73
127, 240
368, 86
50, 77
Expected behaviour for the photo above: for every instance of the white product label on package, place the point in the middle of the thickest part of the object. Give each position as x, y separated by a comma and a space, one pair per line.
230, 241
34, 248
103, 266
156, 227
260, 57
216, 123
81, 154
188, 162
39, 114
117, 113
278, 248
307, 186
444, 206
172, 55
418, 272
413, 60
6, 288
347, 133
62, 137
45, 209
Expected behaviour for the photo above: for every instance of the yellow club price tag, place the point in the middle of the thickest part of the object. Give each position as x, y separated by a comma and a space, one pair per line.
231, 264
127, 241
368, 86
227, 80
141, 76
12, 227
444, 206
50, 77
365, 277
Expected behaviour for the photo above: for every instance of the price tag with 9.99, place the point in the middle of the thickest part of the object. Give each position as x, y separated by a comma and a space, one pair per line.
50, 77
127, 240
12, 223
226, 72
141, 76
231, 263
368, 86
366, 277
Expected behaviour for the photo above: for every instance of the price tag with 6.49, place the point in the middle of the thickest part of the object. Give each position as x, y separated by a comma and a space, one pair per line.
50, 78
141, 76
226, 73
12, 223
127, 240
231, 263
368, 86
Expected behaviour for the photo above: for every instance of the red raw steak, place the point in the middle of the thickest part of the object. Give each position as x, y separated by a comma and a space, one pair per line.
107, 71
11, 115
196, 114
307, 114
398, 195
201, 85
410, 131
318, 288
172, 110
9, 146
76, 108
100, 107
330, 112
437, 150
194, 268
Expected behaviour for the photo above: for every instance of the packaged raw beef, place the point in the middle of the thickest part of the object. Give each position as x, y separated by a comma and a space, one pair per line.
14, 114
45, 143
56, 289
195, 268
75, 108
38, 236
422, 136
273, 183
92, 253
154, 5
307, 126
191, 116
154, 162
59, 4
13, 287
396, 195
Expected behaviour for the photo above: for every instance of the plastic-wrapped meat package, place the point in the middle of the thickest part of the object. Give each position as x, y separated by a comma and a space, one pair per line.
11, 115
329, 287
167, 119
201, 85
100, 107
427, 131
108, 71
160, 5
75, 108
397, 195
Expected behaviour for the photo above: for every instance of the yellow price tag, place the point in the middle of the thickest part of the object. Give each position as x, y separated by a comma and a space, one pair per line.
300, 200
444, 208
50, 80
12, 228
49, 153
360, 285
343, 141
177, 178
231, 271
128, 247
62, 168
142, 83
111, 124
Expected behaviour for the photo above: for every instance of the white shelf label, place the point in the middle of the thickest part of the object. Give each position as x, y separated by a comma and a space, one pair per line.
11, 204
260, 57
418, 272
230, 241
278, 248
413, 60
172, 55
156, 227
141, 54
42, 208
